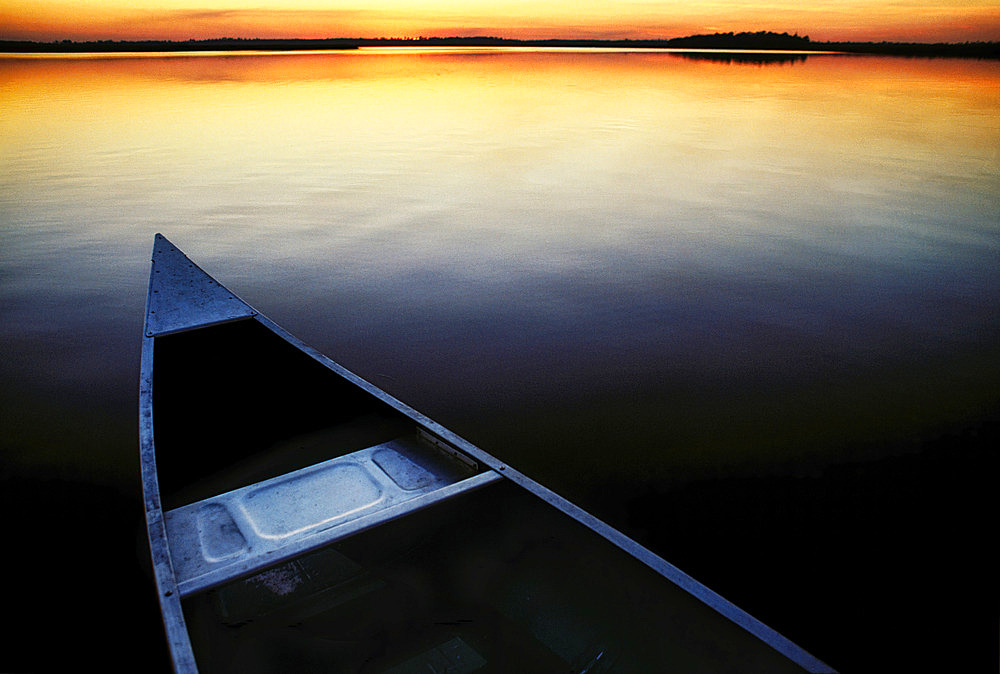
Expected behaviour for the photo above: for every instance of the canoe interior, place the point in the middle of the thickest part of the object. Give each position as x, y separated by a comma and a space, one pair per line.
494, 581
236, 404
491, 579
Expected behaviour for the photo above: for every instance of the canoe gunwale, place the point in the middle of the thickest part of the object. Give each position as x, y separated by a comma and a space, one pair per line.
766, 634
178, 640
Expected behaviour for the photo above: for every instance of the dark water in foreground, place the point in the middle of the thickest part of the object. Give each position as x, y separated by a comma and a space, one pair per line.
749, 313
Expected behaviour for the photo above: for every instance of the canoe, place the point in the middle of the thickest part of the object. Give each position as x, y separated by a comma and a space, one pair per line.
302, 519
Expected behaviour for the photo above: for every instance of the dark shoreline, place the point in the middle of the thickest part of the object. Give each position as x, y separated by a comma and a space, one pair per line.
764, 41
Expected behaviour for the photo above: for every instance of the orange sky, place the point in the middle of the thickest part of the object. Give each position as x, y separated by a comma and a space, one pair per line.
901, 20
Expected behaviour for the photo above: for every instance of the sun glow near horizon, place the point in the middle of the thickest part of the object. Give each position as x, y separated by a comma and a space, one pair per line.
908, 20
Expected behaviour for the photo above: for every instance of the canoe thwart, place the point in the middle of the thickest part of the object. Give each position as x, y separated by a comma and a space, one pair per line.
244, 530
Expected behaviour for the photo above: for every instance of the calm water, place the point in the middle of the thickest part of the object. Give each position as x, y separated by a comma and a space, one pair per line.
628, 274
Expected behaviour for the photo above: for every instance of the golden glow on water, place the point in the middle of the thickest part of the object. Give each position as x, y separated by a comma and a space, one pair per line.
664, 219
510, 140
478, 88
513, 120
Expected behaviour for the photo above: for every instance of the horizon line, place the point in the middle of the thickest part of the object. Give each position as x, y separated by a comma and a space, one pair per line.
732, 35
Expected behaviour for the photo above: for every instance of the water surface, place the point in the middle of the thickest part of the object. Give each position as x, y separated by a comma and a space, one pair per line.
619, 271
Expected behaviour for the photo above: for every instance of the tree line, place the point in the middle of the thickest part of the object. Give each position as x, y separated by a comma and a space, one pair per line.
761, 40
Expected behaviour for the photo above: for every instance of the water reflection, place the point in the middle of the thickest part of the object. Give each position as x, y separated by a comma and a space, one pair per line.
746, 58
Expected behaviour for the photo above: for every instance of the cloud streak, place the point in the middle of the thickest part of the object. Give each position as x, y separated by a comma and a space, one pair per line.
821, 19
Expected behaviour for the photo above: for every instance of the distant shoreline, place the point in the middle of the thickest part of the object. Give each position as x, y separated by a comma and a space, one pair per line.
762, 41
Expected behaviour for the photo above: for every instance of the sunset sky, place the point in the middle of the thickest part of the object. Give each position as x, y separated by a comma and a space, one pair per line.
901, 20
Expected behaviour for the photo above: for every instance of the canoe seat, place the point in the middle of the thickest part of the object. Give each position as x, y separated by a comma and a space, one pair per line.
231, 535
